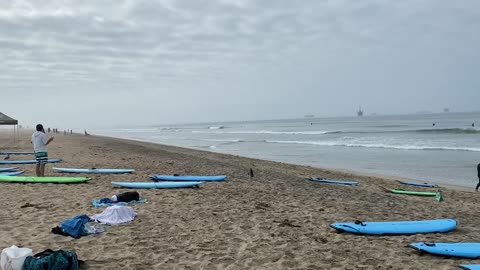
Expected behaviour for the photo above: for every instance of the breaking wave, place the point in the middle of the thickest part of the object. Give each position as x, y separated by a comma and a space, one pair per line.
387, 146
451, 130
223, 140
269, 132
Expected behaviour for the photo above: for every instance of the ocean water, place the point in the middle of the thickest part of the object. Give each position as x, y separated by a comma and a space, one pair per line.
442, 148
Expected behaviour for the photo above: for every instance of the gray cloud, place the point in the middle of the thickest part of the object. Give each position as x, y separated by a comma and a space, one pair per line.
277, 58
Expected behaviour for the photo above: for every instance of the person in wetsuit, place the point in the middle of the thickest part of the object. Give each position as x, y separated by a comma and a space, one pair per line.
478, 174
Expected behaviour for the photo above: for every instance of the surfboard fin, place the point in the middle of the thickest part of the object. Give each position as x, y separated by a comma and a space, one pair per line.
439, 196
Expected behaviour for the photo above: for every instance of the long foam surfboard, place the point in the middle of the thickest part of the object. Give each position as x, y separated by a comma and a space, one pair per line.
324, 180
27, 161
465, 250
417, 193
470, 266
11, 173
93, 170
32, 179
397, 227
188, 177
419, 184
16, 153
8, 169
156, 184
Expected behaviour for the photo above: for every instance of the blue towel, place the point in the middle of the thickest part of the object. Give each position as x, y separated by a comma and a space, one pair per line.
103, 202
74, 226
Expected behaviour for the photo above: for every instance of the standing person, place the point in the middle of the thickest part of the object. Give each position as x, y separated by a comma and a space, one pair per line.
478, 174
40, 141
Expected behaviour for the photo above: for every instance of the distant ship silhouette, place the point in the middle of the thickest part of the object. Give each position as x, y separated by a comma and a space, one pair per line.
360, 112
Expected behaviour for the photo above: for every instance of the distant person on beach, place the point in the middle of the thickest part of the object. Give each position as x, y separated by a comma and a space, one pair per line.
433, 124
478, 174
40, 141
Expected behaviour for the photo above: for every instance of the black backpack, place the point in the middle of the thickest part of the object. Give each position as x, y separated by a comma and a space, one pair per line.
128, 196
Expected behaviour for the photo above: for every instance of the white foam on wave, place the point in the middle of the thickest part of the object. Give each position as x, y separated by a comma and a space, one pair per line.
223, 140
268, 132
216, 127
387, 146
138, 130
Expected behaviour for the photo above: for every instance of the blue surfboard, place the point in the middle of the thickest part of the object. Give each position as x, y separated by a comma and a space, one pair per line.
8, 169
93, 170
156, 184
188, 177
470, 266
419, 184
16, 153
330, 181
27, 161
397, 227
465, 250
11, 173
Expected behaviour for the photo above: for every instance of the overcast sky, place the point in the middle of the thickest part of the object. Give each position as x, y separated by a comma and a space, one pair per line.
71, 63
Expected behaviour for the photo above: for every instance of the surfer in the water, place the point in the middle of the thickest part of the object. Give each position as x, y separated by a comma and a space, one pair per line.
478, 174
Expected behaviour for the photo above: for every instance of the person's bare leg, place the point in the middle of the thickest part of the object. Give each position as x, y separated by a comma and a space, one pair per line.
42, 170
37, 169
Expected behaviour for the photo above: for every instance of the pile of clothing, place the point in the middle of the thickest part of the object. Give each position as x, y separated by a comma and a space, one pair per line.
15, 258
79, 226
52, 260
126, 198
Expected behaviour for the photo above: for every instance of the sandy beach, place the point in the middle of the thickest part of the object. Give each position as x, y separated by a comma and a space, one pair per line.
276, 220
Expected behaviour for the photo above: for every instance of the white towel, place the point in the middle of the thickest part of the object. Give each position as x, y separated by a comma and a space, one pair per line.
115, 215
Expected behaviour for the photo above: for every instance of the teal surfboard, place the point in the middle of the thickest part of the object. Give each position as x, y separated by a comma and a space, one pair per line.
8, 169
419, 184
156, 184
16, 153
461, 249
470, 266
330, 181
188, 177
32, 161
13, 173
93, 170
396, 227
